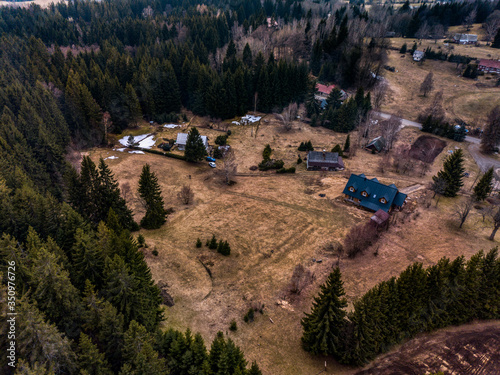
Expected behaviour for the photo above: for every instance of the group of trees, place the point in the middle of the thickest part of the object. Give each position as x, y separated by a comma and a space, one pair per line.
341, 115
419, 300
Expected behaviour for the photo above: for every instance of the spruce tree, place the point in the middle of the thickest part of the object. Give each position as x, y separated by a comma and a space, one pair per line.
195, 149
150, 192
323, 326
453, 173
347, 143
90, 359
484, 186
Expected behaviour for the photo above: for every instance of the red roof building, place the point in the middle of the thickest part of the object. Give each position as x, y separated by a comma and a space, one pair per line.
323, 89
489, 66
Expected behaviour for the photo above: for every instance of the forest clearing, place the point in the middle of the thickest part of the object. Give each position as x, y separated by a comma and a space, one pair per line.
274, 223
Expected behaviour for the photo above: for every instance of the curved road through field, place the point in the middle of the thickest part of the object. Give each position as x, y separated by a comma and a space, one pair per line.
484, 162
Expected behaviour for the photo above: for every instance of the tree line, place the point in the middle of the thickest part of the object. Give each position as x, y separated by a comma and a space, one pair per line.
418, 300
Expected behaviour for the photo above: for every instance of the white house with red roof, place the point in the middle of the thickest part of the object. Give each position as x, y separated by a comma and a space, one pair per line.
489, 66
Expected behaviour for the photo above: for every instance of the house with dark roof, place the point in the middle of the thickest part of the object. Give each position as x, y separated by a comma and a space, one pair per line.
377, 144
373, 195
489, 66
324, 161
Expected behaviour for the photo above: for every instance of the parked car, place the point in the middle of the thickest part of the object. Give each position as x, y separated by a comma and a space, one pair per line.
210, 159
212, 164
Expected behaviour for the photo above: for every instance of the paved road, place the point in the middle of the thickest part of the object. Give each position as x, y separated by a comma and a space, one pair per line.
484, 162
405, 122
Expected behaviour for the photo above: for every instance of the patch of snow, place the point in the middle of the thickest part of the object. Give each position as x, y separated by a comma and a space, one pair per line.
111, 157
235, 123
171, 126
136, 152
250, 118
143, 141
121, 149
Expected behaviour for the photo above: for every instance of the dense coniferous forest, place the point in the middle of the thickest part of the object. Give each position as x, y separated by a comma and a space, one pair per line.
75, 71
419, 300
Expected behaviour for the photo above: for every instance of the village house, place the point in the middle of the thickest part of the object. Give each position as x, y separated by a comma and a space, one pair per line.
373, 195
324, 161
182, 140
376, 144
323, 91
465, 38
489, 66
418, 55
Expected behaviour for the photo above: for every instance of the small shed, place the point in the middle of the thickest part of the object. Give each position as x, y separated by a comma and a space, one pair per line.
418, 55
182, 140
380, 217
377, 144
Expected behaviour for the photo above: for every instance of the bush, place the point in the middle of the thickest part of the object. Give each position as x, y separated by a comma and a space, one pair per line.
286, 170
213, 243
221, 140
155, 252
338, 148
228, 132
184, 117
233, 326
299, 160
403, 49
266, 165
359, 239
141, 241
250, 316
198, 243
266, 154
306, 146
224, 248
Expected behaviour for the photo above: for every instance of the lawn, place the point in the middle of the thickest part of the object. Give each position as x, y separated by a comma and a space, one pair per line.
273, 223
464, 98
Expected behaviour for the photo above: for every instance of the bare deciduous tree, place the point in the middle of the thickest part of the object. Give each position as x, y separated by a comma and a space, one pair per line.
437, 32
462, 210
469, 20
229, 167
186, 195
300, 279
424, 31
126, 190
390, 129
496, 224
438, 186
288, 115
428, 84
491, 25
378, 93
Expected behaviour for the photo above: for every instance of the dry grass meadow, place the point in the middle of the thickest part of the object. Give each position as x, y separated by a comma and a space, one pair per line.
466, 99
273, 223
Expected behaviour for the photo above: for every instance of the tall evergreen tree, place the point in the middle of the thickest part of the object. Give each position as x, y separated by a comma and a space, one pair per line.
150, 192
195, 149
484, 186
453, 173
323, 326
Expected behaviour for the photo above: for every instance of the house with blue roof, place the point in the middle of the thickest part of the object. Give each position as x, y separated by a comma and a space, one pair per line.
373, 195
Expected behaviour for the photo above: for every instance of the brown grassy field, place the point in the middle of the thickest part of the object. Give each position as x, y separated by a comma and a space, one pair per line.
273, 223
464, 98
